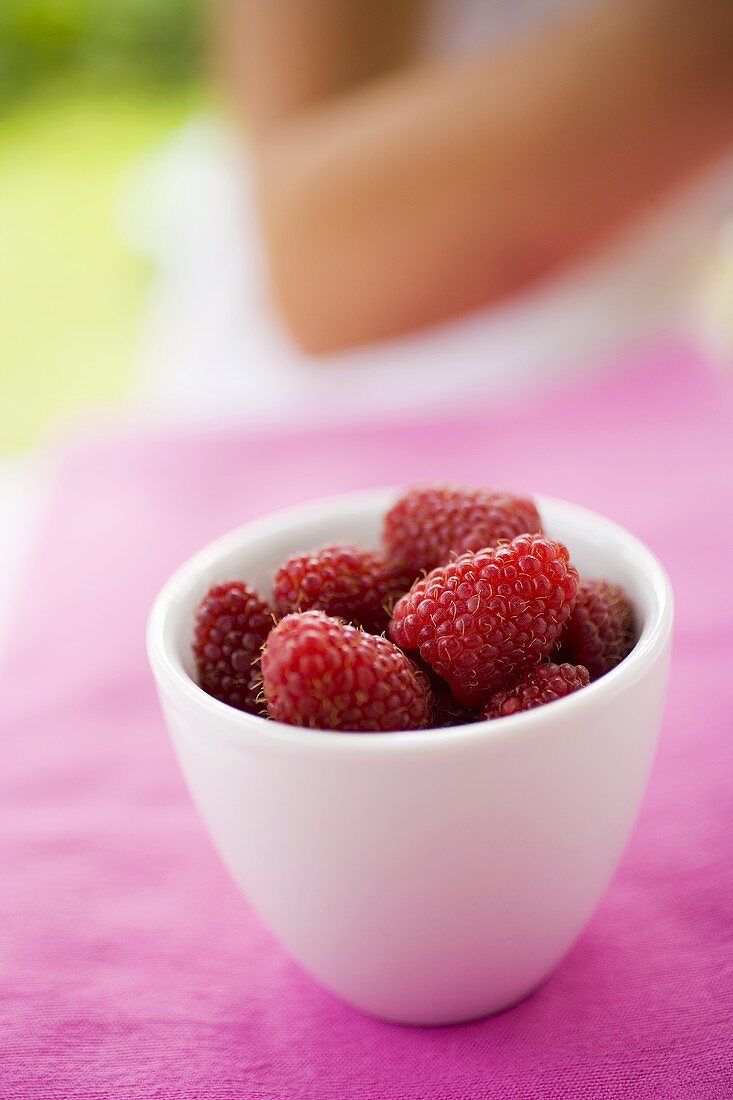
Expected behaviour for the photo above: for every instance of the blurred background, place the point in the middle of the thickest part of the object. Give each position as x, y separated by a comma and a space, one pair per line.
115, 172
110, 153
87, 88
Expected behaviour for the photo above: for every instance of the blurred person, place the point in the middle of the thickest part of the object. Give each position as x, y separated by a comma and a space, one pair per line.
401, 185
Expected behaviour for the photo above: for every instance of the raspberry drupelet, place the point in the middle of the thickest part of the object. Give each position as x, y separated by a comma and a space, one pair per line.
486, 618
325, 674
429, 525
232, 623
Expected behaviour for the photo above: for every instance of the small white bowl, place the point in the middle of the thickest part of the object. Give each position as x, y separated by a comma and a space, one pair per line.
426, 877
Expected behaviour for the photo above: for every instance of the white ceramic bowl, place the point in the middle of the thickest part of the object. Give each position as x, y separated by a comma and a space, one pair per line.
424, 877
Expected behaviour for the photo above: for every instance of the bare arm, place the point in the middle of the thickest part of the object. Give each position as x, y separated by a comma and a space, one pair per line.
282, 57
427, 192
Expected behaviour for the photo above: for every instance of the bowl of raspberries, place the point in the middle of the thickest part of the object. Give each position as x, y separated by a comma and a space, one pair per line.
418, 725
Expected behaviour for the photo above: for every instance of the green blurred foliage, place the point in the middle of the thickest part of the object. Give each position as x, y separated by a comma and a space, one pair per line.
86, 88
113, 41
71, 295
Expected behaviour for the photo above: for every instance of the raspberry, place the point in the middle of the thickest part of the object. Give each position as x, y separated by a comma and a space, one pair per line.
484, 619
232, 623
539, 685
429, 524
325, 674
600, 631
345, 581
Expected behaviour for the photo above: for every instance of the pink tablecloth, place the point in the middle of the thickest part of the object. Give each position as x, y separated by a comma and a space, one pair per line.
130, 965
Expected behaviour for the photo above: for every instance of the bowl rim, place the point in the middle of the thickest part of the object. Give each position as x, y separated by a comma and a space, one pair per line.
241, 727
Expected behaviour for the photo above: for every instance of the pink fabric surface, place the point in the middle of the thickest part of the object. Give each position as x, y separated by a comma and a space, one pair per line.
132, 968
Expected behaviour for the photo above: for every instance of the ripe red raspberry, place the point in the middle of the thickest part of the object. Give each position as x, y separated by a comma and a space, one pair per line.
542, 684
325, 674
430, 524
600, 631
347, 582
485, 618
232, 623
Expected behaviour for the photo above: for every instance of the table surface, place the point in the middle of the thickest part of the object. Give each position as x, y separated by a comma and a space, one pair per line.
133, 968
